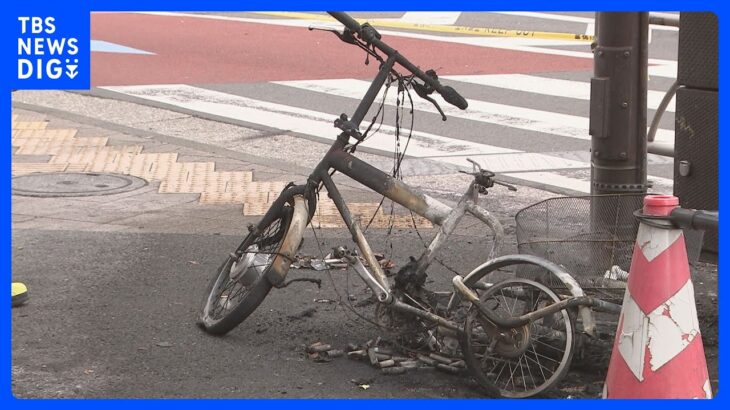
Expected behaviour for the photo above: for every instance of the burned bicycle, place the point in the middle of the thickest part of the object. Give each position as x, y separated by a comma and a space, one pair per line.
517, 335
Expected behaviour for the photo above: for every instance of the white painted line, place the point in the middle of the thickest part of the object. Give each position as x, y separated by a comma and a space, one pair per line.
318, 124
526, 161
107, 47
658, 67
666, 70
431, 17
547, 86
591, 29
572, 19
528, 119
548, 16
551, 178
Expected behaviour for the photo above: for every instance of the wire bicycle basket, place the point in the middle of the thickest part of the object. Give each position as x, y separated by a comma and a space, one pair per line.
592, 237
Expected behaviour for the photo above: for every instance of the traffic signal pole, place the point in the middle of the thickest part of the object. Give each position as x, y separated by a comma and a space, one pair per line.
618, 104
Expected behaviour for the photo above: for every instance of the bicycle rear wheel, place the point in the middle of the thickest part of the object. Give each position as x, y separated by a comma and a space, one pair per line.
240, 284
524, 361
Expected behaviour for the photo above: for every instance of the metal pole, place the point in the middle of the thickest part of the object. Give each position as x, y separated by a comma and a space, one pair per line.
618, 104
618, 126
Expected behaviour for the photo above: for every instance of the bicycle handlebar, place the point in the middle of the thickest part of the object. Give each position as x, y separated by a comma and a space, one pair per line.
346, 20
368, 34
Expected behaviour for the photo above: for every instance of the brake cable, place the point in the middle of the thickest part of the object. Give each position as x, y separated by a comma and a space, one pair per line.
404, 84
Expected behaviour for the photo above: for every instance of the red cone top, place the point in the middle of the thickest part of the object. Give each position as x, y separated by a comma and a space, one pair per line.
660, 205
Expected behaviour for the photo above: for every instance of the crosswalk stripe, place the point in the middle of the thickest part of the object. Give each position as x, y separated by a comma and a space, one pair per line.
318, 124
528, 119
573, 19
547, 86
551, 178
431, 17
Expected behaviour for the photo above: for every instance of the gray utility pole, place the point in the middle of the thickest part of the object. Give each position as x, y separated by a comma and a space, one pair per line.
618, 104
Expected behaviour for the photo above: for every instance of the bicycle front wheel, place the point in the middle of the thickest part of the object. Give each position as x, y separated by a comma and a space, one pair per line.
240, 284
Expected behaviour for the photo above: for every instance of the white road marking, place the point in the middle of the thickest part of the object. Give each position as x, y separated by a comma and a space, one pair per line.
547, 86
528, 119
318, 124
589, 21
591, 29
572, 19
548, 16
551, 178
431, 17
107, 47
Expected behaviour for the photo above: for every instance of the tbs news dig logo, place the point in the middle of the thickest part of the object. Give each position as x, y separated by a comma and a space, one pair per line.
42, 54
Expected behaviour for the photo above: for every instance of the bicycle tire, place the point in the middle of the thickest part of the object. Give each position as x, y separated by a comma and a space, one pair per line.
256, 292
493, 385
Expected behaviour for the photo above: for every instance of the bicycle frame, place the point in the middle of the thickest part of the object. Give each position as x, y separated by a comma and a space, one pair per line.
438, 213
338, 159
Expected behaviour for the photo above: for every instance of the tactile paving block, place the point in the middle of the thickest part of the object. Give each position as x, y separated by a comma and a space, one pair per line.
229, 181
93, 155
22, 168
161, 166
76, 168
63, 134
38, 146
274, 187
116, 164
327, 215
206, 180
29, 125
399, 221
329, 221
210, 197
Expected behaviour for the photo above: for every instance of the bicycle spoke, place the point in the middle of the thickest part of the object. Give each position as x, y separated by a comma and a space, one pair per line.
536, 360
504, 364
512, 374
545, 357
524, 385
530, 371
548, 345
495, 360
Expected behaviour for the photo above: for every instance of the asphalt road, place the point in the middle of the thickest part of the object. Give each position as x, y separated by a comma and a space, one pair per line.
113, 315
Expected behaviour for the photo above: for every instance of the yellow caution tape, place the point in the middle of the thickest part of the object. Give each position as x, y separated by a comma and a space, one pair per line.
472, 31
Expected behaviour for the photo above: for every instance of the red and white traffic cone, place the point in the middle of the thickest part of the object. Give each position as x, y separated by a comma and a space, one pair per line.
658, 350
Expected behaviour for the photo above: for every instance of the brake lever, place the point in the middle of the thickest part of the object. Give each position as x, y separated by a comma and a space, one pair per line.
346, 35
475, 165
485, 178
424, 92
504, 184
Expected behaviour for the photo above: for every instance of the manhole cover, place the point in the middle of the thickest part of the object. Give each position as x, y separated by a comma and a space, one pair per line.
57, 184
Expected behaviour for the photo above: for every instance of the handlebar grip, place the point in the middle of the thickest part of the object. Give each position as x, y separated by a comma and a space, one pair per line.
346, 20
693, 219
453, 97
